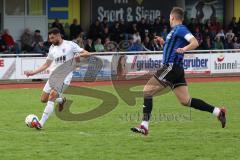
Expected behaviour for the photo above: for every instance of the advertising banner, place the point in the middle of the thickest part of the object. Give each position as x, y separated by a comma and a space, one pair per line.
225, 63
7, 68
125, 65
28, 64
197, 63
192, 64
105, 71
130, 10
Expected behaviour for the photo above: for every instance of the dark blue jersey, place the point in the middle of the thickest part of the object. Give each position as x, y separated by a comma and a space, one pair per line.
178, 38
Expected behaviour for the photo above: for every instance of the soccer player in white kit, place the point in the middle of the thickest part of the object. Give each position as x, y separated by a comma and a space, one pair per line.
60, 51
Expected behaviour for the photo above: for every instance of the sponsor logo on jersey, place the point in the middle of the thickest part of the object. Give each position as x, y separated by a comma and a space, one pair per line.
61, 59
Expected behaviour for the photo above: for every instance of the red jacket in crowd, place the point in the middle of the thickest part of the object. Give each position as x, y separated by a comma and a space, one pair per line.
8, 39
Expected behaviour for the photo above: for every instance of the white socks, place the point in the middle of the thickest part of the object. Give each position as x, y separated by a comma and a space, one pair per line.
59, 100
216, 111
47, 112
145, 124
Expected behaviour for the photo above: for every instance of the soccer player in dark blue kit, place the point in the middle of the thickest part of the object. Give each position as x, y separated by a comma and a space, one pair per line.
171, 74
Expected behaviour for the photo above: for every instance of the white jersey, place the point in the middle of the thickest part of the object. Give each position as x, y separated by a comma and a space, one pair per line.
62, 53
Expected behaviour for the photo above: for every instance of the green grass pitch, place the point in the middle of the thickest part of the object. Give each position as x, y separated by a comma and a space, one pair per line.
195, 136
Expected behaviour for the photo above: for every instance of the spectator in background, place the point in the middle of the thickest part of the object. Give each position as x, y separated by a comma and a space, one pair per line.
146, 43
215, 25
57, 24
238, 27
98, 45
154, 46
199, 25
27, 40
95, 30
46, 46
211, 28
186, 20
79, 41
218, 44
12, 46
123, 30
133, 28
153, 35
116, 32
147, 30
229, 42
107, 41
75, 29
165, 23
207, 43
233, 25
230, 35
136, 46
164, 33
157, 27
208, 24
222, 36
146, 34
3, 46
37, 37
8, 38
105, 34
66, 31
38, 42
82, 35
198, 35
89, 46
136, 37
236, 43
151, 27
105, 22
207, 33
110, 46
148, 24
191, 25
142, 26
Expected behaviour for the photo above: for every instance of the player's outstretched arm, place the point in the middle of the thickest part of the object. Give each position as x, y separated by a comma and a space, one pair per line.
83, 54
40, 69
193, 44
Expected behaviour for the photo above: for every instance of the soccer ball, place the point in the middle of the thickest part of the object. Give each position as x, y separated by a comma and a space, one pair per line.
29, 119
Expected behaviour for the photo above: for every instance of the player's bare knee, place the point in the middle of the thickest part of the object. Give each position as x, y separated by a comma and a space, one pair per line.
53, 95
147, 92
44, 100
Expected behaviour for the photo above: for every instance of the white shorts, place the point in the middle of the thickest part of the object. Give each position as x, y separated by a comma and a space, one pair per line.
67, 81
